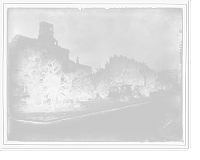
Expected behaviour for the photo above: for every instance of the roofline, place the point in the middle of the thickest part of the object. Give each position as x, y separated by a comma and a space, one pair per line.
63, 49
46, 23
22, 37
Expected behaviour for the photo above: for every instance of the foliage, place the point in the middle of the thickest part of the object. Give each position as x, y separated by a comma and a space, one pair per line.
122, 70
87, 89
136, 91
75, 90
124, 97
114, 89
66, 85
42, 85
27, 71
13, 91
82, 71
82, 89
144, 90
51, 82
39, 78
102, 87
101, 82
151, 81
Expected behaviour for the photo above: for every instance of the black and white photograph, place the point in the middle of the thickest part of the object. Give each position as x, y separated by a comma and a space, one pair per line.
95, 74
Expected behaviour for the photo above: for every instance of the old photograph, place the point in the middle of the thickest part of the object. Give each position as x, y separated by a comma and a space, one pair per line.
95, 74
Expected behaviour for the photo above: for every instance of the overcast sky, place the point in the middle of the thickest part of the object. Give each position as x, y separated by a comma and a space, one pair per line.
148, 35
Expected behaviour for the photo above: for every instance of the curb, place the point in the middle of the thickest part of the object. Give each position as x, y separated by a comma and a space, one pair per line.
86, 114
164, 131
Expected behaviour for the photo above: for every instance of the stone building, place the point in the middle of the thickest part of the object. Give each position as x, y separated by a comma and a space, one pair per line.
47, 44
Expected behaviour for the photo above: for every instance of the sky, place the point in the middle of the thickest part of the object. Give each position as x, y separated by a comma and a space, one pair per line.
149, 35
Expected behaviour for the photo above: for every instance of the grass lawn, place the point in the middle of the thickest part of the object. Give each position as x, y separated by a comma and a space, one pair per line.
20, 109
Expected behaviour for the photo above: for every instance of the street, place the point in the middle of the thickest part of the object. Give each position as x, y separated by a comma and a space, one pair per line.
156, 121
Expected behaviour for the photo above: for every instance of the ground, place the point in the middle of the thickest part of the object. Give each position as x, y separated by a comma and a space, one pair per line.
89, 107
139, 123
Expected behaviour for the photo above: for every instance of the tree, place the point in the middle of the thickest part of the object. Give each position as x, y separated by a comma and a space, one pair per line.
87, 89
81, 87
151, 81
65, 88
51, 81
103, 86
41, 78
145, 91
123, 70
75, 91
82, 71
25, 70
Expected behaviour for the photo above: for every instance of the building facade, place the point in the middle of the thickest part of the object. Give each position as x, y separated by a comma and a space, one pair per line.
47, 44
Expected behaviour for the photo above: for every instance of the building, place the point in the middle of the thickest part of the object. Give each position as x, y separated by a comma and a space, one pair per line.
169, 78
47, 43
49, 47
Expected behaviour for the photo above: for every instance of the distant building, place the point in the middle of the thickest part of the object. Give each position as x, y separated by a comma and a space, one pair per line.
46, 42
170, 78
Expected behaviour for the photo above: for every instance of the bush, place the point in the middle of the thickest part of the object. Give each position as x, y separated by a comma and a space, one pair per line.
145, 91
103, 88
87, 89
51, 82
82, 89
40, 77
124, 97
114, 89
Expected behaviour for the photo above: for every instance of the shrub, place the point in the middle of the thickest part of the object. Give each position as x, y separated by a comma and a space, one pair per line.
51, 81
114, 89
145, 91
81, 89
87, 89
124, 97
103, 88
40, 78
